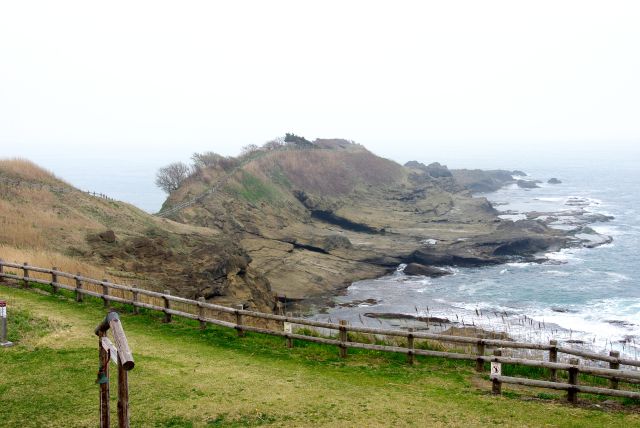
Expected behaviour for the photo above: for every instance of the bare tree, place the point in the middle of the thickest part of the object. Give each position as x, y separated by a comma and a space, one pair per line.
171, 176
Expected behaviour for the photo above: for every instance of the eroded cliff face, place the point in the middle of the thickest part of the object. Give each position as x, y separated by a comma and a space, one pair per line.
314, 220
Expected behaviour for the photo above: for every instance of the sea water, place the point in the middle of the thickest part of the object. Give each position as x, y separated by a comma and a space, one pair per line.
587, 296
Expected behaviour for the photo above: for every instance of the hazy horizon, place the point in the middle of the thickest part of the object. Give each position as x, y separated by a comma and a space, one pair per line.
467, 84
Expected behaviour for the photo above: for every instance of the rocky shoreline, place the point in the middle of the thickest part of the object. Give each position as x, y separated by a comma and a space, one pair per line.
312, 236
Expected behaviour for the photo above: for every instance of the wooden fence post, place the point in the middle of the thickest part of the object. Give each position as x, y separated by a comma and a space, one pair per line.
239, 321
167, 305
553, 358
343, 338
496, 384
54, 280
123, 396
410, 345
105, 293
25, 274
572, 393
203, 323
103, 382
136, 310
481, 351
613, 382
79, 296
1, 268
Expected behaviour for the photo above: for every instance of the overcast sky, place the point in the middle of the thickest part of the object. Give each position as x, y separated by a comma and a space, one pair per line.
403, 78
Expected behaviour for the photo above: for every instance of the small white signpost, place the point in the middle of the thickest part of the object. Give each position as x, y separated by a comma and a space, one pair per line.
3, 325
496, 369
288, 327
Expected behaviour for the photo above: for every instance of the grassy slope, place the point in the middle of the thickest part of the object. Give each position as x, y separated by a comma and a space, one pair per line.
185, 377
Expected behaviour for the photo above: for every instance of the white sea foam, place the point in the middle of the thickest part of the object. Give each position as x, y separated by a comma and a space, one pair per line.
549, 199
520, 265
513, 217
563, 256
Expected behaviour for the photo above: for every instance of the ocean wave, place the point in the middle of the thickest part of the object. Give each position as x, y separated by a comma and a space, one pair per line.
549, 199
563, 256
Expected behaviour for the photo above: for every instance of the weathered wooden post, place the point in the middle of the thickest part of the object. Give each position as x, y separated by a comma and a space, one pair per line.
1, 268
25, 274
105, 293
553, 358
54, 280
613, 382
79, 296
410, 345
203, 323
103, 381
572, 393
343, 339
167, 306
136, 310
481, 351
125, 363
496, 372
239, 320
123, 396
4, 343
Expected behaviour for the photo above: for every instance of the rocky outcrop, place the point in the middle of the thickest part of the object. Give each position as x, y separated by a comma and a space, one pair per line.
314, 221
527, 184
419, 269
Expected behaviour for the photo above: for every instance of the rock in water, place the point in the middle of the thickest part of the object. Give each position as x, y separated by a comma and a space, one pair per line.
526, 184
419, 269
554, 181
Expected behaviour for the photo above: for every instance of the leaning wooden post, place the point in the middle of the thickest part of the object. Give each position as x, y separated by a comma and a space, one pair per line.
136, 310
103, 382
105, 294
167, 306
481, 351
343, 339
25, 274
78, 288
572, 393
123, 396
410, 345
553, 358
239, 320
125, 362
203, 323
54, 280
613, 382
496, 372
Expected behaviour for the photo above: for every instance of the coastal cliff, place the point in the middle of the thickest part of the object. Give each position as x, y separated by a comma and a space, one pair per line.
316, 216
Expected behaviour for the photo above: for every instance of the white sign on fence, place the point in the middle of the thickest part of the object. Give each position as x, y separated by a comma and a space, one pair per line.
288, 327
496, 369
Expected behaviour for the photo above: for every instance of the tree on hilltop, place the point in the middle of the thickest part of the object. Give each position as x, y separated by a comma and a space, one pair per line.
171, 176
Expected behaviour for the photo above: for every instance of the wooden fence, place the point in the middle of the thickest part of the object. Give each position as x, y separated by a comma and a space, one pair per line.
244, 320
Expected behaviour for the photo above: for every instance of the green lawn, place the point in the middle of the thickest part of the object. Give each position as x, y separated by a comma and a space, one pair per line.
188, 378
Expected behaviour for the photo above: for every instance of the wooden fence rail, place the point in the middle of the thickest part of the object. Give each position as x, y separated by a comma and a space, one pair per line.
168, 304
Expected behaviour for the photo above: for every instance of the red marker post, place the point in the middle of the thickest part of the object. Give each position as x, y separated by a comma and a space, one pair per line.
3, 325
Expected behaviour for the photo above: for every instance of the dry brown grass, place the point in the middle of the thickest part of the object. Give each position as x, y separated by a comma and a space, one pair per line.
48, 259
329, 172
27, 170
